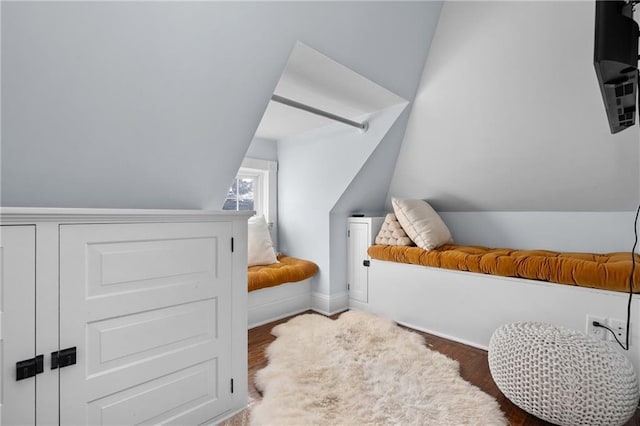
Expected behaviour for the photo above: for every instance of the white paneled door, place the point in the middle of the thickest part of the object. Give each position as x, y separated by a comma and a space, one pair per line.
147, 308
17, 297
357, 253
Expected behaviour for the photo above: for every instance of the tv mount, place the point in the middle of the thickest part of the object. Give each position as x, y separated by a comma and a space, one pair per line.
616, 60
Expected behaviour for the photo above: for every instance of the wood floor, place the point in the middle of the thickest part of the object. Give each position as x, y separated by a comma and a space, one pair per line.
473, 367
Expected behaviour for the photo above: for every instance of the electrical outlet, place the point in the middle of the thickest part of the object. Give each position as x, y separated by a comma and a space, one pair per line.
596, 332
619, 327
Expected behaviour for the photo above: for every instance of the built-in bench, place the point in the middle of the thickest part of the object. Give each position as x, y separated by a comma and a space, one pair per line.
446, 299
287, 270
280, 289
608, 271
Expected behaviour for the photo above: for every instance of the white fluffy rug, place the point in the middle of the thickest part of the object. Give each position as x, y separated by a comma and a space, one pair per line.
363, 369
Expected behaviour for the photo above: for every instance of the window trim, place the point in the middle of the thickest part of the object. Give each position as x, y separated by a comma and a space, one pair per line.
258, 188
267, 173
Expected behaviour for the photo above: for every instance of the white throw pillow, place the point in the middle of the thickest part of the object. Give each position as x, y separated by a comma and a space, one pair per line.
421, 223
260, 247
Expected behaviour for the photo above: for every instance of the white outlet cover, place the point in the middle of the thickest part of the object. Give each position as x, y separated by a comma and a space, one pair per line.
620, 328
596, 332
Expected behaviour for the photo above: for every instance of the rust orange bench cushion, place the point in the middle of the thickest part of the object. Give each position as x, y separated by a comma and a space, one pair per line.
604, 271
290, 269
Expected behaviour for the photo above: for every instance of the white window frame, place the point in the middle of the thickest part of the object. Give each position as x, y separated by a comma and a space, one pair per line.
258, 187
265, 192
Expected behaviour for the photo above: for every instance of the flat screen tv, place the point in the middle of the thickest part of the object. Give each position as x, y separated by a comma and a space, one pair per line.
615, 58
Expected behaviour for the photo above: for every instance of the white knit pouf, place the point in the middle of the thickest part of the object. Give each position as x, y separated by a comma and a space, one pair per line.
563, 376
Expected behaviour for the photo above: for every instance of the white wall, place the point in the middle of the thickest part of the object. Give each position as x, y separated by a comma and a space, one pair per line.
153, 104
264, 149
365, 194
315, 169
509, 117
593, 232
509, 121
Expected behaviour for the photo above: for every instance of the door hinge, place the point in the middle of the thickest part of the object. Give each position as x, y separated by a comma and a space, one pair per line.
348, 233
231, 244
231, 385
366, 263
348, 286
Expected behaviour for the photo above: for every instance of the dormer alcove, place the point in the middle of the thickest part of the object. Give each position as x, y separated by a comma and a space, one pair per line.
318, 158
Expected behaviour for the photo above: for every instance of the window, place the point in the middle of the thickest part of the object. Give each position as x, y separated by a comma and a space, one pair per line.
243, 191
255, 188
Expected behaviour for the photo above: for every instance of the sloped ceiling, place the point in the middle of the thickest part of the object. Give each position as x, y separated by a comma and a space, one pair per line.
509, 115
315, 80
153, 104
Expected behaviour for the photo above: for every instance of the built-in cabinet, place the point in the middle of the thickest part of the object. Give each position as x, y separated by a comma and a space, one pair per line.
361, 233
122, 317
17, 293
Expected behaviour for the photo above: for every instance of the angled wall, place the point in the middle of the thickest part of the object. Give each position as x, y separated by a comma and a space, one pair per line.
509, 118
264, 149
153, 104
365, 194
315, 169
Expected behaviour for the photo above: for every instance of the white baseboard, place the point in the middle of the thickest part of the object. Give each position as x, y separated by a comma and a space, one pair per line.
361, 306
274, 303
329, 304
225, 416
358, 306
444, 335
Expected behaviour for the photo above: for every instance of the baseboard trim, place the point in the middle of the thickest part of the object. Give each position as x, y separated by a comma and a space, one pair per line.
277, 317
274, 303
225, 416
328, 305
360, 306
443, 335
357, 305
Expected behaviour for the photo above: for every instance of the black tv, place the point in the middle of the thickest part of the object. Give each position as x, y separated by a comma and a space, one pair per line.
615, 57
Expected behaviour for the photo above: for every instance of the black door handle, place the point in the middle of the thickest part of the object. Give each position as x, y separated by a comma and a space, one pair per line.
29, 367
63, 358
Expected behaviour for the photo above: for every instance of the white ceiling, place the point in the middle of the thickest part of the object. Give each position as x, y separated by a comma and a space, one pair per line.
318, 81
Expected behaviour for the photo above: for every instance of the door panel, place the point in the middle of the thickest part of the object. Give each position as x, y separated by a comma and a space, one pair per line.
357, 273
158, 400
135, 337
148, 307
17, 303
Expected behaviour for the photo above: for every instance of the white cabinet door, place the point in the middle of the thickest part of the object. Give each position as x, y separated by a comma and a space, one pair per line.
359, 240
147, 307
17, 302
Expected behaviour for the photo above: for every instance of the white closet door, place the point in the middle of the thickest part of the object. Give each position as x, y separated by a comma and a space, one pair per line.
147, 306
357, 273
17, 302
